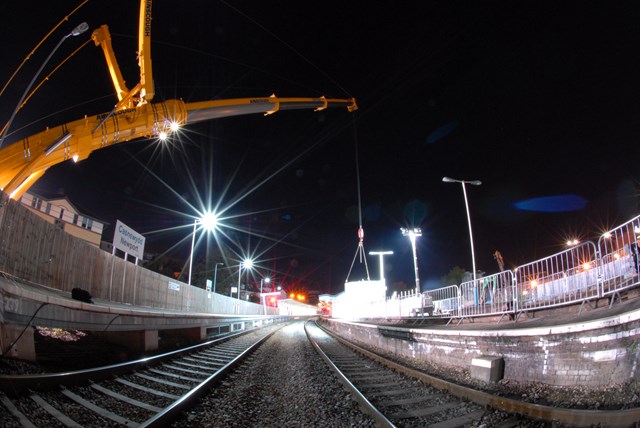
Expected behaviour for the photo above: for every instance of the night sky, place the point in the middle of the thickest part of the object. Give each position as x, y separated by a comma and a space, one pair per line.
538, 100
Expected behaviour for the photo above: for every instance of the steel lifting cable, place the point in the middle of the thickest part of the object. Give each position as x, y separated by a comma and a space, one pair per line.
360, 249
65, 19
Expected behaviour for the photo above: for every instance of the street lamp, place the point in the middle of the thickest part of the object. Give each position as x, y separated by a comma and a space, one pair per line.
466, 203
215, 274
209, 221
381, 254
413, 234
266, 280
264, 303
247, 264
75, 32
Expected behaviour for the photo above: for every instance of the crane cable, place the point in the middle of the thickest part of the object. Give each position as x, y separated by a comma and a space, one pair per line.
66, 18
360, 250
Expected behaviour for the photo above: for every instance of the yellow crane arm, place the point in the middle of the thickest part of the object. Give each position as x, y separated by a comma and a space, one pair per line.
22, 163
147, 90
144, 91
101, 37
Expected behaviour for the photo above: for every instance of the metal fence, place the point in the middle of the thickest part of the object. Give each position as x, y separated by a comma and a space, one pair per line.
578, 274
570, 276
446, 301
618, 269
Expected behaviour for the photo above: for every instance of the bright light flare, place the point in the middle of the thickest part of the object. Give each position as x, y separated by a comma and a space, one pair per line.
209, 221
247, 263
174, 126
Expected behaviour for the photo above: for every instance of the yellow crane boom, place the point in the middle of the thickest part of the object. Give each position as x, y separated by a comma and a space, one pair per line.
134, 116
22, 164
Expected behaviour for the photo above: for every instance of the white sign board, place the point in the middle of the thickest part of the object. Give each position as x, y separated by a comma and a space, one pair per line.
128, 240
174, 286
209, 283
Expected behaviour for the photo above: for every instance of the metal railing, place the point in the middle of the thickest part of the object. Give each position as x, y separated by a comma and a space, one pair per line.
489, 295
570, 276
618, 250
578, 274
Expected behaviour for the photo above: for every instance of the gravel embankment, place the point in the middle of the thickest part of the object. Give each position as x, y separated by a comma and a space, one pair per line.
286, 384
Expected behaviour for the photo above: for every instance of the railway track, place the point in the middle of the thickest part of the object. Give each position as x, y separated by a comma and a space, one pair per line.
151, 392
160, 390
396, 395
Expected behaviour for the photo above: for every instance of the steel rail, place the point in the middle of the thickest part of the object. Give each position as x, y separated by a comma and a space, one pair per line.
12, 384
575, 417
365, 404
171, 413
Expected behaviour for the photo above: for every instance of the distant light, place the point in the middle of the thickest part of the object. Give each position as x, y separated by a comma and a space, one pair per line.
572, 242
247, 263
174, 126
534, 283
586, 266
267, 280
411, 233
75, 158
162, 136
606, 235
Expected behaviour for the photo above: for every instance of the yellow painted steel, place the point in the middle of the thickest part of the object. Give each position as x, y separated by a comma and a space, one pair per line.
23, 162
134, 116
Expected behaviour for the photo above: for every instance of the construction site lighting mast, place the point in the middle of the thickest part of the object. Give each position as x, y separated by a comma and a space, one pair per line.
413, 234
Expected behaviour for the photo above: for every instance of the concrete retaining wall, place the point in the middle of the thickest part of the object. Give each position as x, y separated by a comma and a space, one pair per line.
34, 250
595, 353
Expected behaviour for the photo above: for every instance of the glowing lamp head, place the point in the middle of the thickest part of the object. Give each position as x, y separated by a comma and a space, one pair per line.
209, 221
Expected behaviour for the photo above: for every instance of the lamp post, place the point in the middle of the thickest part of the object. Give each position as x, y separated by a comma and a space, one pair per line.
209, 221
264, 303
381, 254
466, 203
266, 280
247, 264
75, 32
215, 275
413, 234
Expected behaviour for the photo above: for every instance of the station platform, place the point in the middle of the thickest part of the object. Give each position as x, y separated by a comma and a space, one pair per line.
567, 346
26, 305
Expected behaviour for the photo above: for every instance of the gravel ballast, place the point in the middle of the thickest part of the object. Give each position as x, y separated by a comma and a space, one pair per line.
284, 384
